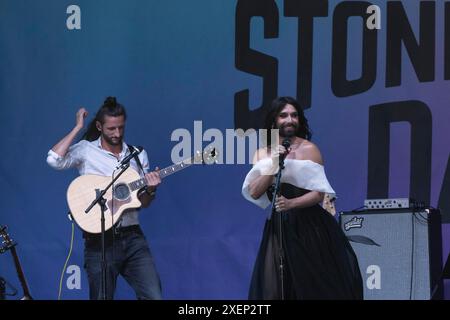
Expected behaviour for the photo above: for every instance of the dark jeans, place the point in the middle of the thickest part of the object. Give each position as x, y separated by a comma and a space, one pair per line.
129, 256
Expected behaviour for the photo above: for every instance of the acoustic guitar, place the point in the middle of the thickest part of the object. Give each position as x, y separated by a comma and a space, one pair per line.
124, 194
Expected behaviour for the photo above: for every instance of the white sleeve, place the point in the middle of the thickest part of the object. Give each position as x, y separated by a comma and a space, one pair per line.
260, 168
73, 157
307, 175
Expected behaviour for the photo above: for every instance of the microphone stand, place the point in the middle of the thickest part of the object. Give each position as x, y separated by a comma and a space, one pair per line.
102, 202
276, 192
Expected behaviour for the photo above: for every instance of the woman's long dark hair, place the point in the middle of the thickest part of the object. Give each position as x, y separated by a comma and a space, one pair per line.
276, 107
109, 108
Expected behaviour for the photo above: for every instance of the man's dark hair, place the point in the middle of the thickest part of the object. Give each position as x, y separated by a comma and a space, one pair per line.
109, 108
276, 107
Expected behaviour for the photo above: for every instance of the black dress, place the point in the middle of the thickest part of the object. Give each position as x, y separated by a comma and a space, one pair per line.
319, 262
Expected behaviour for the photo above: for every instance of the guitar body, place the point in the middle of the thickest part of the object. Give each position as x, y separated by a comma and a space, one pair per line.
329, 203
85, 189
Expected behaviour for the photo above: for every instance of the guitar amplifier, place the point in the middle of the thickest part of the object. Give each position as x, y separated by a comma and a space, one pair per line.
399, 252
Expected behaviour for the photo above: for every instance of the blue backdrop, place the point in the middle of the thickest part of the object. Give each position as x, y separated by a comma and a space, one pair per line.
174, 62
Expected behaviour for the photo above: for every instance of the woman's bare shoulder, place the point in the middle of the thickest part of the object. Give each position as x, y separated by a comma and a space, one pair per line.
310, 151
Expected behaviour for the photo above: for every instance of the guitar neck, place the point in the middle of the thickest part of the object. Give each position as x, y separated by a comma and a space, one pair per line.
176, 167
140, 183
21, 275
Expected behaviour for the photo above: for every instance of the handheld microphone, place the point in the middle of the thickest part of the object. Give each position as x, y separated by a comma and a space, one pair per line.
127, 159
286, 143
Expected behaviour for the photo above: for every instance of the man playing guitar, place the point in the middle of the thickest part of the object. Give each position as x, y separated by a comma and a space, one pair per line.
99, 152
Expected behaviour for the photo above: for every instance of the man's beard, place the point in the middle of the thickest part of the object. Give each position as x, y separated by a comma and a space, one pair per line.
113, 142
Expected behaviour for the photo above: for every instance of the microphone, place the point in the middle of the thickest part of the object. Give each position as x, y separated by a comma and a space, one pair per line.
127, 159
286, 143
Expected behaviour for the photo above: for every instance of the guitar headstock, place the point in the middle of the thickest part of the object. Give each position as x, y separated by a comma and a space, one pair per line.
209, 156
328, 203
7, 242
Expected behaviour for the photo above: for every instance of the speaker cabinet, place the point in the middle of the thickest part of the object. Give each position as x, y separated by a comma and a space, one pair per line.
399, 252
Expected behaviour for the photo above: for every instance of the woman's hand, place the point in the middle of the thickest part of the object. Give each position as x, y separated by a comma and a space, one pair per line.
279, 151
283, 204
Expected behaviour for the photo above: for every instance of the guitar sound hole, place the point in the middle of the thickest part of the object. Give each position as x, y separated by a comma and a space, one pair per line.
121, 192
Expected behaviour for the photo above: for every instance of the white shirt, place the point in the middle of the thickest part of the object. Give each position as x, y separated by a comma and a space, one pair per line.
90, 158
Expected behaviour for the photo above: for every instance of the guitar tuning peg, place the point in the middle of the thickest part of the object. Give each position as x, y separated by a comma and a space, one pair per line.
210, 155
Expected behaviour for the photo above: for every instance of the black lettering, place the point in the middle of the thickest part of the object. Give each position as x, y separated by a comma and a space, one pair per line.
254, 62
381, 116
340, 85
399, 31
305, 11
444, 196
